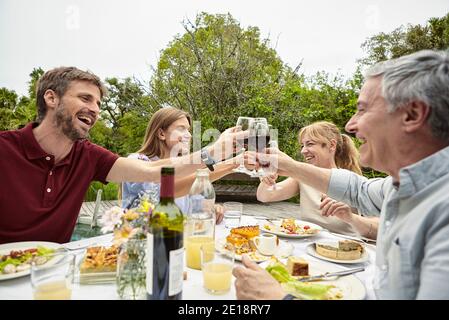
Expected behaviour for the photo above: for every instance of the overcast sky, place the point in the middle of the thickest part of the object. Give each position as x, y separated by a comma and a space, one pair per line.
117, 38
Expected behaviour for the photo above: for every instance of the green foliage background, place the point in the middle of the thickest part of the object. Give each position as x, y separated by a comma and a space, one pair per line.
217, 70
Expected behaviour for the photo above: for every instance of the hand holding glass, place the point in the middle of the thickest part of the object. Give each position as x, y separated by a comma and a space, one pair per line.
244, 123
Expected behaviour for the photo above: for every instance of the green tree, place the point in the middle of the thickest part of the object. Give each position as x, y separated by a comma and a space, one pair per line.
405, 40
217, 70
15, 111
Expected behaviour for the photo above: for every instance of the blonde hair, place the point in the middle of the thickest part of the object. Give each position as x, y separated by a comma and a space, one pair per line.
162, 119
346, 153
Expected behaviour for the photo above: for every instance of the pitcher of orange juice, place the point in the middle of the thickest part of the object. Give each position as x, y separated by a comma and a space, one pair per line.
199, 228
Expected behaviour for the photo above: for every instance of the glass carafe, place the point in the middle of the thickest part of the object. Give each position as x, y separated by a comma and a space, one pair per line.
199, 229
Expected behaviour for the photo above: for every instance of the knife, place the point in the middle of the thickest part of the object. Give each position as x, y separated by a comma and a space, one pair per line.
331, 274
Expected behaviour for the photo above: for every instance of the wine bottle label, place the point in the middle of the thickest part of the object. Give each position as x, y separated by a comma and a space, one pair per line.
150, 248
176, 270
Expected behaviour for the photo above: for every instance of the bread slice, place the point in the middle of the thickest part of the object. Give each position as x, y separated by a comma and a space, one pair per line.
297, 266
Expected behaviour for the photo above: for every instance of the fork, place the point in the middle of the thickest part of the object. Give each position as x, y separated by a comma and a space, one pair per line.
367, 241
65, 249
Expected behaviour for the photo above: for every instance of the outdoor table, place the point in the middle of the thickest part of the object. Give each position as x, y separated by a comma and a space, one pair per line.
20, 288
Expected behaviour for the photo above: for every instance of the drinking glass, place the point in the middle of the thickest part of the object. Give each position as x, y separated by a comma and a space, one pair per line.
261, 120
260, 138
244, 123
232, 214
193, 246
54, 279
270, 169
217, 269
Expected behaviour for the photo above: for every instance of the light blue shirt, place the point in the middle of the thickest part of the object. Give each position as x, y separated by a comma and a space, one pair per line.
130, 190
412, 257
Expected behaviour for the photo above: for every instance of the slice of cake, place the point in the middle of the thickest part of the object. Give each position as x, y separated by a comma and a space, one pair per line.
327, 251
350, 245
346, 250
349, 250
239, 243
297, 266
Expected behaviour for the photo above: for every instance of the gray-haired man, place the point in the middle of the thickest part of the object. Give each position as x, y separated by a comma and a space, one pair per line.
402, 121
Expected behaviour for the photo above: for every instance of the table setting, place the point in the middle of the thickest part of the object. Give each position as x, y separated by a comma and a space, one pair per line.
356, 285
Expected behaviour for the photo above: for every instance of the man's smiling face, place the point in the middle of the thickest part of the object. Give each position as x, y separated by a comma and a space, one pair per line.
78, 110
375, 127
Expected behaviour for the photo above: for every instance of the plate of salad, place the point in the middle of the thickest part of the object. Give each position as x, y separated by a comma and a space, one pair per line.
344, 288
16, 257
291, 228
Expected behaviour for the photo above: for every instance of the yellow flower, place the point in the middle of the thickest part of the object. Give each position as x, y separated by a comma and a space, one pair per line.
145, 206
130, 215
121, 235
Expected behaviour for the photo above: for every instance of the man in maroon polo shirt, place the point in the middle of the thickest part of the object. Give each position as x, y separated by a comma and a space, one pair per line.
46, 167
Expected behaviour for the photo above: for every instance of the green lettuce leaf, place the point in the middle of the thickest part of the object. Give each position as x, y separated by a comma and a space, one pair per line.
301, 290
42, 251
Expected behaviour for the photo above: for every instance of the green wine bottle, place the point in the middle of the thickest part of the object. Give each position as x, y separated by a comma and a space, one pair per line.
165, 262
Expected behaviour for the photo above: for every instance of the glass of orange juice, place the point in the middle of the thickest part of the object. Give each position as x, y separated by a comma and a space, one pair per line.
199, 230
217, 269
54, 279
193, 246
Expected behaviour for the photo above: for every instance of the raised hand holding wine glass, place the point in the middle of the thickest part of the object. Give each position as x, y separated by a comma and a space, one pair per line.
243, 123
260, 138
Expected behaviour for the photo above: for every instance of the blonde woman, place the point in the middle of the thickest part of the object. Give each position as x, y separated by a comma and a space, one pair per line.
168, 135
323, 145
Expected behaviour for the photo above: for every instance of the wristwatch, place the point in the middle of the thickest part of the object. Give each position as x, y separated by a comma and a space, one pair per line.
207, 159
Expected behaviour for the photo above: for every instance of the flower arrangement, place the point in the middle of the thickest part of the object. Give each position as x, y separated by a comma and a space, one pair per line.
130, 228
127, 223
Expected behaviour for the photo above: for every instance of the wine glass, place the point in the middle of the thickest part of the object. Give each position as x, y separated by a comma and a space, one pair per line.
261, 120
270, 169
244, 123
261, 139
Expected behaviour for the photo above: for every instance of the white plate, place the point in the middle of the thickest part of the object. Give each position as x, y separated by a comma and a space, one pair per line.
277, 224
284, 250
7, 247
350, 286
311, 250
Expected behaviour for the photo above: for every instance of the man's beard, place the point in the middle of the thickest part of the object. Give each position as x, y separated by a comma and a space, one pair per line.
65, 122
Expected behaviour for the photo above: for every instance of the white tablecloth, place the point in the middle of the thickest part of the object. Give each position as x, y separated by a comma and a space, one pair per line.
20, 288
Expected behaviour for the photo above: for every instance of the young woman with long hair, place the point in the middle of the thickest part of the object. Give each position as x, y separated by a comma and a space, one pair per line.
168, 135
323, 145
